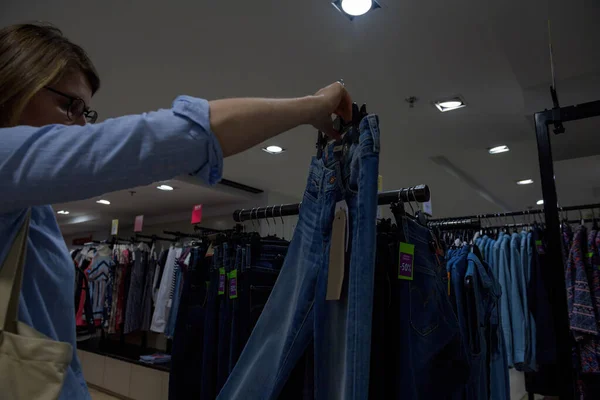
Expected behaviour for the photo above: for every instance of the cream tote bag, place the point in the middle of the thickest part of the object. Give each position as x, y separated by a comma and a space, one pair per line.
32, 366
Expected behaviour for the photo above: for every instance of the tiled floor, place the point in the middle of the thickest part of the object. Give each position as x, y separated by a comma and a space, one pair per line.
96, 395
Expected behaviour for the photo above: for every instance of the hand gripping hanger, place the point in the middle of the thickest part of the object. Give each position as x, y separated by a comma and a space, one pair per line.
342, 127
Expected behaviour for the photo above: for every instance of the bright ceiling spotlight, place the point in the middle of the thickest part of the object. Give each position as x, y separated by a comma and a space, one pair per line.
102, 201
63, 212
450, 104
540, 202
498, 149
166, 188
273, 149
525, 182
355, 8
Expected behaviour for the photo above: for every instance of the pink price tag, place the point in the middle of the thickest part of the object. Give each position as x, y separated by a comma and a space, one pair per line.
197, 214
139, 222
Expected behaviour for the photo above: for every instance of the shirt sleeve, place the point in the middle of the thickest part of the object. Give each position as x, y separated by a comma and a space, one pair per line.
59, 163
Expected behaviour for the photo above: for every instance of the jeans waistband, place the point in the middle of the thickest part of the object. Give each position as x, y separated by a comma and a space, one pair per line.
340, 164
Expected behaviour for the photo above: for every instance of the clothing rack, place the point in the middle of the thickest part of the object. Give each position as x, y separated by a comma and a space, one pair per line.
556, 275
452, 224
521, 213
419, 193
154, 238
179, 234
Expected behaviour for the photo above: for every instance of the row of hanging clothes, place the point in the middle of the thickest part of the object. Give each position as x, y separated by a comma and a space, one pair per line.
425, 326
124, 286
515, 254
225, 286
114, 286
581, 258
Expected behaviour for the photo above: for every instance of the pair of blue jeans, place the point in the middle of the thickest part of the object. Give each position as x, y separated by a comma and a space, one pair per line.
211, 329
430, 360
187, 351
297, 311
224, 321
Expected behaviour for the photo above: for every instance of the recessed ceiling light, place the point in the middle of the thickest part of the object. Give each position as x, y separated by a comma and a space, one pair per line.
498, 149
165, 188
63, 212
355, 8
273, 149
540, 202
450, 104
525, 182
105, 202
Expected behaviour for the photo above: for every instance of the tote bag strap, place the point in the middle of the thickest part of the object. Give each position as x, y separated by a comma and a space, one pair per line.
11, 276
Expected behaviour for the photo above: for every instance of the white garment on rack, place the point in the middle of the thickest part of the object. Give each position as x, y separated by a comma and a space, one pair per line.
161, 309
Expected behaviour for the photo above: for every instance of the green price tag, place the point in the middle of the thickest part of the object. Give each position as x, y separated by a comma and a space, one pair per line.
590, 254
233, 293
539, 245
221, 281
406, 264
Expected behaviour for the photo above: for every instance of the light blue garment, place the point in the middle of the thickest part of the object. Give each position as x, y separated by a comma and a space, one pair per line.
58, 163
489, 254
503, 244
297, 311
532, 326
519, 324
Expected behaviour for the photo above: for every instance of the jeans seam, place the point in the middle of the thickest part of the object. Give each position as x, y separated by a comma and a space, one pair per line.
294, 341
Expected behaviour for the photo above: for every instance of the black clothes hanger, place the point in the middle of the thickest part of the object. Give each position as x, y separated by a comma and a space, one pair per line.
343, 127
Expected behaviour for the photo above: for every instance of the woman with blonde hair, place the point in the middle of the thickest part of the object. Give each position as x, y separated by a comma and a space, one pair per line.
52, 151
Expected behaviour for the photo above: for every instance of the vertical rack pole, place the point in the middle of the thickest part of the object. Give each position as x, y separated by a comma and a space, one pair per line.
555, 269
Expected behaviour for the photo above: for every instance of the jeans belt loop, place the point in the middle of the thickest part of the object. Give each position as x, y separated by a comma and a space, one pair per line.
374, 129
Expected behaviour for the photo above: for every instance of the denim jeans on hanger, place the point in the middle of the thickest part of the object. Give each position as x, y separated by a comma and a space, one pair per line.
427, 344
296, 311
224, 324
211, 330
189, 331
234, 350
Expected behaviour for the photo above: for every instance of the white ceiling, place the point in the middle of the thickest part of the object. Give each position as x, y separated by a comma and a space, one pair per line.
494, 54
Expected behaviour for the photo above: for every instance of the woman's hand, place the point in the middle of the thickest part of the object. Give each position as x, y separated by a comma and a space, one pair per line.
240, 124
332, 99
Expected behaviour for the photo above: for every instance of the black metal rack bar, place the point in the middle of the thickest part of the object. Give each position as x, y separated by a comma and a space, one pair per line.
452, 224
179, 234
419, 193
154, 237
521, 213
556, 276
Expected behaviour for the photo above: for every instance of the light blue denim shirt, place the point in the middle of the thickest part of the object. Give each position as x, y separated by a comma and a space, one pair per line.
503, 260
518, 302
58, 163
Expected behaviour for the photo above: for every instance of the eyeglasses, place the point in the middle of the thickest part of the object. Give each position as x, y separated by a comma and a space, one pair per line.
76, 107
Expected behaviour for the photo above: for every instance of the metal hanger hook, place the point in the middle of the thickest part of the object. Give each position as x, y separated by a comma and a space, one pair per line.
241, 221
409, 203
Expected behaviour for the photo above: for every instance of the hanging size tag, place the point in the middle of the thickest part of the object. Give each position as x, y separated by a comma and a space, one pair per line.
211, 251
138, 223
539, 245
337, 255
343, 206
233, 294
114, 227
407, 255
197, 214
221, 281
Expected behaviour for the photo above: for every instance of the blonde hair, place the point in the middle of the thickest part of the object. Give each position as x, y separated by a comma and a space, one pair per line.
33, 56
